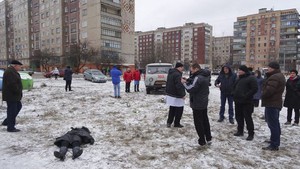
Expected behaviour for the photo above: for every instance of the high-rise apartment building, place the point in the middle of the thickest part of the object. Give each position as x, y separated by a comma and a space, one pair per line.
267, 36
188, 43
3, 32
222, 51
55, 25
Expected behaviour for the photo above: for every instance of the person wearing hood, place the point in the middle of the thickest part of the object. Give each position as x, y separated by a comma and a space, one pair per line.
225, 82
175, 95
243, 91
272, 90
127, 78
292, 97
115, 77
198, 88
68, 78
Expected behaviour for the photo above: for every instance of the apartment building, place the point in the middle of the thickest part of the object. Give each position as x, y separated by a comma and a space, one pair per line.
188, 43
3, 32
36, 25
222, 51
267, 36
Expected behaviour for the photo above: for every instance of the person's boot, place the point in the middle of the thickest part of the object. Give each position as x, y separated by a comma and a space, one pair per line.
250, 137
76, 152
138, 88
61, 154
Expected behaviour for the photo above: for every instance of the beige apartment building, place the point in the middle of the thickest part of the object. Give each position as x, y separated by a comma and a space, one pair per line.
36, 25
109, 26
221, 51
267, 36
3, 32
187, 43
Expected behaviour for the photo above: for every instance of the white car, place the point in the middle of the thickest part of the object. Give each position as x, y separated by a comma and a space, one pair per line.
156, 76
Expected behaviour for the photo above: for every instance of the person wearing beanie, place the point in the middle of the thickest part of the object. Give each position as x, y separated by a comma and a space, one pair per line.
292, 97
12, 93
272, 90
243, 91
225, 82
175, 95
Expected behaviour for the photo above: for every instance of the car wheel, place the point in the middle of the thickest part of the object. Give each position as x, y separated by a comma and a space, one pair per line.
84, 77
93, 80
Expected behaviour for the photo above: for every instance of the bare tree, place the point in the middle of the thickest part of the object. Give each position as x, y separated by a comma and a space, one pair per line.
80, 54
44, 58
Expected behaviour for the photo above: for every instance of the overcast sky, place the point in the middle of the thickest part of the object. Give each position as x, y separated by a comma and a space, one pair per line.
151, 14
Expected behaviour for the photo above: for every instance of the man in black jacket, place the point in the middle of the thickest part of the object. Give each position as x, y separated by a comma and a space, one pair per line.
225, 82
73, 139
243, 91
12, 94
68, 78
175, 95
198, 87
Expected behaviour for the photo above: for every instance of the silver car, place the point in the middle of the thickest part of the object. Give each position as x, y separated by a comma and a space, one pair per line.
94, 75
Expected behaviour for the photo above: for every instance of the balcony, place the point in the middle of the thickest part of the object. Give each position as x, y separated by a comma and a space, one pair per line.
111, 3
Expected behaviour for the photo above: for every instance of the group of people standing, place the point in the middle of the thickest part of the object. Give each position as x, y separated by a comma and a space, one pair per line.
128, 77
243, 89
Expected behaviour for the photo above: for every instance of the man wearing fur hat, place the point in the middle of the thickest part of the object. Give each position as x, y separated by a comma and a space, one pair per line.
272, 90
243, 91
12, 94
175, 95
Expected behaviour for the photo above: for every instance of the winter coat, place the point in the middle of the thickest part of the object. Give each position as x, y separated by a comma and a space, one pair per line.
55, 71
198, 87
226, 80
272, 90
68, 74
76, 134
257, 95
244, 88
137, 75
174, 87
127, 76
292, 95
115, 75
12, 85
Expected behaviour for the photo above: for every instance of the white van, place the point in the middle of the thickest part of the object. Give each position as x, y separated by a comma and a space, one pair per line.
156, 76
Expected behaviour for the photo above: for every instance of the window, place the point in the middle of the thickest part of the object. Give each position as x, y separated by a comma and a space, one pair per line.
111, 21
84, 35
84, 24
111, 44
84, 12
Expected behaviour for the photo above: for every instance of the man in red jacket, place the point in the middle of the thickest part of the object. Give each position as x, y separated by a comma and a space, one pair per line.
127, 78
136, 78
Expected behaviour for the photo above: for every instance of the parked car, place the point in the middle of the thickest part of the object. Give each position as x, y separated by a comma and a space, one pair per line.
156, 76
30, 72
50, 74
1, 78
94, 75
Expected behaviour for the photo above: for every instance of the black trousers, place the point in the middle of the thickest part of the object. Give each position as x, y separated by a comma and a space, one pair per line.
175, 112
13, 109
202, 126
68, 85
136, 88
127, 87
289, 115
243, 112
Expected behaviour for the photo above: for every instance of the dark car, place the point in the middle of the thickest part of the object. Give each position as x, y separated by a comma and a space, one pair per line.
30, 72
50, 74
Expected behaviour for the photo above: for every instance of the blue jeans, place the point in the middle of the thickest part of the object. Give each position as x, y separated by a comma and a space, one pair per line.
117, 89
13, 109
272, 118
230, 105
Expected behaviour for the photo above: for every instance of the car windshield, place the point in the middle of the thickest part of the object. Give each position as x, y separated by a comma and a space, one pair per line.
97, 73
158, 69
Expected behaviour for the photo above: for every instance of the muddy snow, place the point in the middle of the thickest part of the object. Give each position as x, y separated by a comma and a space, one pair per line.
131, 132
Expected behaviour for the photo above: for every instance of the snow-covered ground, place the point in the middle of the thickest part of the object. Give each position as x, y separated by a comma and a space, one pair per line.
131, 132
